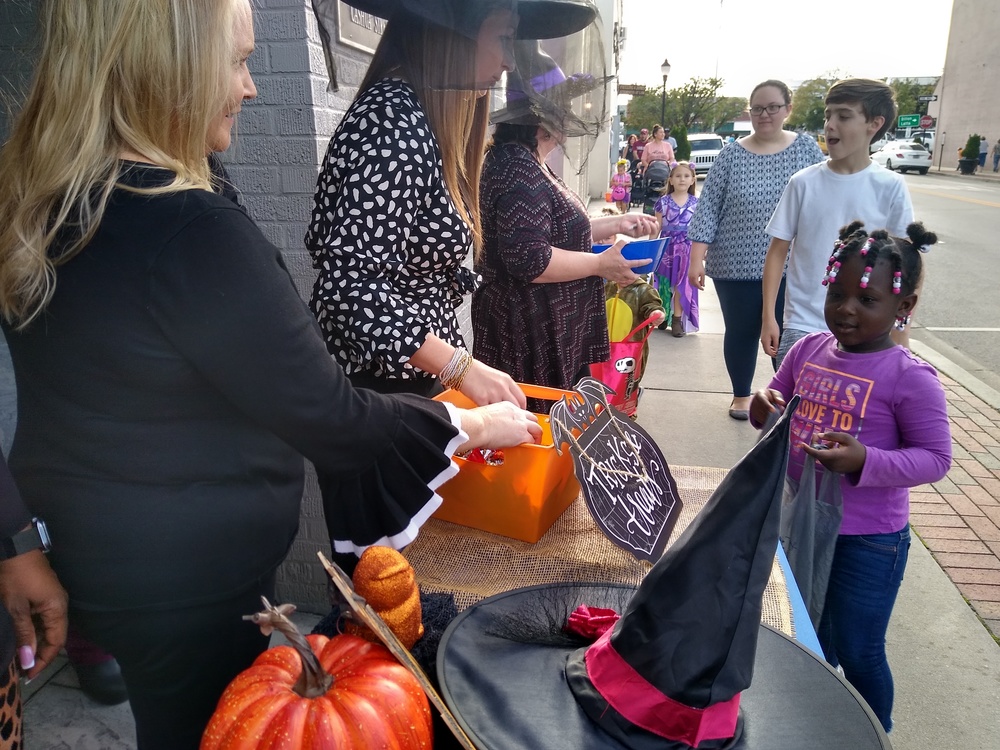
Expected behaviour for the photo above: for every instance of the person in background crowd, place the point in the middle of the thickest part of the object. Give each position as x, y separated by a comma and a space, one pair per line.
670, 139
984, 148
728, 241
674, 211
640, 145
657, 150
170, 379
996, 155
621, 186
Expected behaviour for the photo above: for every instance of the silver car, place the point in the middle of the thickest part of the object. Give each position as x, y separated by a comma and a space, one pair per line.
903, 156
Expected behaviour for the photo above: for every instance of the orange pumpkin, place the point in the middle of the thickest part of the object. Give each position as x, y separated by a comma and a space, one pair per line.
343, 692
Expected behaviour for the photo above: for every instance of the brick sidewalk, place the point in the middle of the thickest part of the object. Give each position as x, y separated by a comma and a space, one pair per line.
958, 518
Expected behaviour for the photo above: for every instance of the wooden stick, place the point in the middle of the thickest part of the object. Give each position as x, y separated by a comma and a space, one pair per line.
365, 614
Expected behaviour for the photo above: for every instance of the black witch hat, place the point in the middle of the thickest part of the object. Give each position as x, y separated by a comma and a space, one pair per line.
538, 19
688, 665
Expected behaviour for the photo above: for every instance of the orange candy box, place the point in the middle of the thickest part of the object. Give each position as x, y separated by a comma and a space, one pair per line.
523, 497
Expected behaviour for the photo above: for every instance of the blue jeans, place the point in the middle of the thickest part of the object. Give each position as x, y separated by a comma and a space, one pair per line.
864, 580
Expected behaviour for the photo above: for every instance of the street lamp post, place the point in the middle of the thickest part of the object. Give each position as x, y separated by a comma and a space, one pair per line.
665, 69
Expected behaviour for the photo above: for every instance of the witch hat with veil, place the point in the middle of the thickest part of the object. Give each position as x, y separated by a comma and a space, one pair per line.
562, 86
688, 665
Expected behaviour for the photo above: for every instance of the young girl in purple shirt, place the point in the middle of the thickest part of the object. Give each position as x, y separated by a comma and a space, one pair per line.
875, 414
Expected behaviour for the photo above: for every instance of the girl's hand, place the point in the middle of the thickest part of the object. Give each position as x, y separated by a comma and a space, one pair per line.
499, 426
657, 317
838, 452
638, 225
613, 266
486, 385
764, 403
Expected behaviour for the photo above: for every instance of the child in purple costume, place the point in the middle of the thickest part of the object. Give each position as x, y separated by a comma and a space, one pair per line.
674, 210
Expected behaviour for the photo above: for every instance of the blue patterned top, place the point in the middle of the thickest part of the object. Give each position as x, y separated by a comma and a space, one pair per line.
736, 202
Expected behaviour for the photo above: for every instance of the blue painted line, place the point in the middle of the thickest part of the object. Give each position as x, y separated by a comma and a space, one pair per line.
805, 633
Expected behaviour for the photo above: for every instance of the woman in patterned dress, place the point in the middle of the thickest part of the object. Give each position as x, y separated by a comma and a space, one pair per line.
728, 241
539, 313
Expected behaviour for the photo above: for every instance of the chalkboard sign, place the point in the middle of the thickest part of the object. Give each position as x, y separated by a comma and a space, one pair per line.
625, 478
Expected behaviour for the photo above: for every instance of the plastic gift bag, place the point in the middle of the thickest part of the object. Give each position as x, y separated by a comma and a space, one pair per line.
811, 513
623, 370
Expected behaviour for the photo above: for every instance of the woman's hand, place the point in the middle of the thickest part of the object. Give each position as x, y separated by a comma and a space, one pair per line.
613, 266
638, 226
37, 604
486, 385
765, 403
696, 268
499, 426
838, 452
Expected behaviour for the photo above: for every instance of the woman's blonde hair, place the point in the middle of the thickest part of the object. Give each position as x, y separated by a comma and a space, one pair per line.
145, 76
439, 63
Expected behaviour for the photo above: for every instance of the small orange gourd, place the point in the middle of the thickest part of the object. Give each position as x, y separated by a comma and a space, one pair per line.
343, 692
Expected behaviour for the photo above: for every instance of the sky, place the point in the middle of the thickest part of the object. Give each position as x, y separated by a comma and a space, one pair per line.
745, 42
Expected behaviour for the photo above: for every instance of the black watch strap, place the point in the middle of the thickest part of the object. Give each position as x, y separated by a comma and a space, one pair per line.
36, 536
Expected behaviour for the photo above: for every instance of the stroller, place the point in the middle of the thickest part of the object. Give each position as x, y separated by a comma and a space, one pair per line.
653, 180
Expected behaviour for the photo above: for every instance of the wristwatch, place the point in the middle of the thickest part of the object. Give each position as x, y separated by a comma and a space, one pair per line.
36, 536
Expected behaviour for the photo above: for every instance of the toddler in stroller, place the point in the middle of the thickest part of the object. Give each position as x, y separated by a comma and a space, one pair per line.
654, 179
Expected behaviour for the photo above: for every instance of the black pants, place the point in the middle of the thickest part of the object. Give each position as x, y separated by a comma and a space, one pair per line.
742, 303
177, 662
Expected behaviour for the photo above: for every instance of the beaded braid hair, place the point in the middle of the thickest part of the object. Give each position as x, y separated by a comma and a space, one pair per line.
903, 254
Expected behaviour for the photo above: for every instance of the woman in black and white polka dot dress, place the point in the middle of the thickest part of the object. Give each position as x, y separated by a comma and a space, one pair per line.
396, 212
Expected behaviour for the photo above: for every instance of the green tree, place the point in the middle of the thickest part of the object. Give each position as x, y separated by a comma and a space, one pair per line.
727, 109
683, 151
697, 101
907, 90
807, 104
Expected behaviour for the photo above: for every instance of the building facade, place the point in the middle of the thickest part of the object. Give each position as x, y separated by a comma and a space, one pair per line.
966, 103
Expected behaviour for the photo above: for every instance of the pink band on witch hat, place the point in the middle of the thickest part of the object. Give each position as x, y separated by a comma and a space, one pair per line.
641, 703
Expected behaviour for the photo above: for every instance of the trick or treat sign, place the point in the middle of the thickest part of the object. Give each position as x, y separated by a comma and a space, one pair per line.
625, 479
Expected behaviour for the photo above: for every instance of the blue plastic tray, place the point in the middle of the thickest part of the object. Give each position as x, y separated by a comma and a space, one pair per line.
639, 249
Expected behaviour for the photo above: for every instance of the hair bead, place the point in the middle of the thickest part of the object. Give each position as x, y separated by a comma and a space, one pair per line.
897, 282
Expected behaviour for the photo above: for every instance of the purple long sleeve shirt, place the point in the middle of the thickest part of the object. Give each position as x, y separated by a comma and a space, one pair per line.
891, 402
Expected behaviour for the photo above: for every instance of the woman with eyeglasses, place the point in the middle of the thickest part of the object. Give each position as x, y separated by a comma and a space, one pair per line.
727, 231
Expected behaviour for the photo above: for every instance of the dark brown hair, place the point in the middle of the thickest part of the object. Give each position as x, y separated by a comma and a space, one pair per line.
874, 97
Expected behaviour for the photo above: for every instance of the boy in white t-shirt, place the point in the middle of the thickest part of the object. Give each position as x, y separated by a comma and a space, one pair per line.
820, 199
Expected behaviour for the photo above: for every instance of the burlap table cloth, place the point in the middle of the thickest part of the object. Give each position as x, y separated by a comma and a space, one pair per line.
474, 564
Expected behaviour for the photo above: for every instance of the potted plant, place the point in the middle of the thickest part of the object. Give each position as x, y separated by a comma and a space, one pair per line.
969, 160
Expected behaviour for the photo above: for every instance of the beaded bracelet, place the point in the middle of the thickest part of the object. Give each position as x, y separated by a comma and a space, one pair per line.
453, 374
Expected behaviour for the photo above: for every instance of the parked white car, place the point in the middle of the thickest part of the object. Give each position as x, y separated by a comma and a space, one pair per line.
904, 156
704, 148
